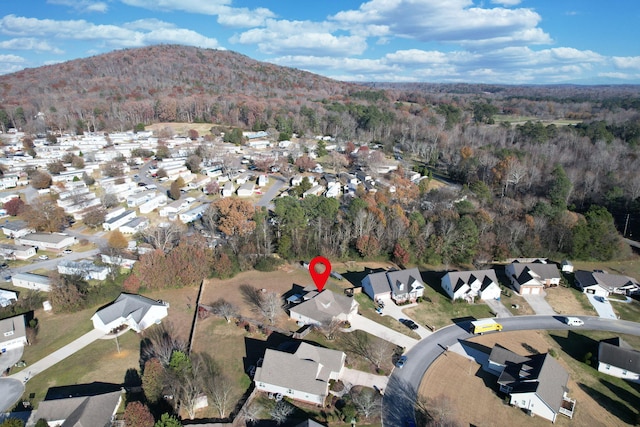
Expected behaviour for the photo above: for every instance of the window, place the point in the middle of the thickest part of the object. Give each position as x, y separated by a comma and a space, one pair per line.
8, 333
607, 367
624, 372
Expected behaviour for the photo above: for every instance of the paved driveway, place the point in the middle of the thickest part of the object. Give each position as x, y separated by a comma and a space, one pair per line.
355, 377
539, 305
10, 357
603, 308
392, 310
498, 307
10, 391
374, 328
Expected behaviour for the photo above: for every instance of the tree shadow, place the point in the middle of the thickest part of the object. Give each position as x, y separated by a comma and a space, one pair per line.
433, 279
613, 406
623, 394
255, 348
576, 345
355, 277
399, 404
92, 389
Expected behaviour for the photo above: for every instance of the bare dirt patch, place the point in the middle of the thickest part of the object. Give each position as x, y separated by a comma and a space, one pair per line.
473, 395
569, 301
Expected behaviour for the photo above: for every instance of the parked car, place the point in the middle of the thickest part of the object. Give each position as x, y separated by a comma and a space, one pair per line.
43, 257
401, 361
67, 251
409, 324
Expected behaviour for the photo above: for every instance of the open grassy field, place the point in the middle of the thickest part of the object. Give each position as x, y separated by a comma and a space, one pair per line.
473, 398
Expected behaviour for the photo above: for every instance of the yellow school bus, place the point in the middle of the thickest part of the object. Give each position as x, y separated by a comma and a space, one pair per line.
485, 325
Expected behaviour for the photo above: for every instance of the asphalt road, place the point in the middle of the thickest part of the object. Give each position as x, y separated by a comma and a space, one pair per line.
272, 192
400, 395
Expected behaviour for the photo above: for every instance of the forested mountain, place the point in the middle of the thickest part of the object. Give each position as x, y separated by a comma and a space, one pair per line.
543, 170
159, 83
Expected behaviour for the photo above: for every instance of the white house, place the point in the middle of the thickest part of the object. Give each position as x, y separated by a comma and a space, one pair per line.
134, 226
469, 284
193, 214
54, 241
31, 281
21, 252
619, 359
262, 180
153, 204
602, 284
7, 297
137, 199
566, 266
15, 229
536, 383
303, 375
87, 269
13, 333
399, 285
227, 189
532, 278
323, 308
246, 189
118, 221
134, 311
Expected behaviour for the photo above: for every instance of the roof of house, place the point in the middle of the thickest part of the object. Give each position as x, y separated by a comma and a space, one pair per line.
306, 370
526, 272
32, 277
324, 306
125, 306
46, 237
501, 355
539, 373
404, 281
83, 411
15, 225
616, 352
609, 282
379, 282
15, 324
309, 423
461, 278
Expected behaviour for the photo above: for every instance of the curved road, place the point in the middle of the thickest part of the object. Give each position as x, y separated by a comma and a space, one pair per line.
401, 392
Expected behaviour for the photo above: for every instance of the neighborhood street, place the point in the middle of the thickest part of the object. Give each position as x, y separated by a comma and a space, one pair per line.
400, 395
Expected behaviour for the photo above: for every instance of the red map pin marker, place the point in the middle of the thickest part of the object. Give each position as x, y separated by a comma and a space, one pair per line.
320, 278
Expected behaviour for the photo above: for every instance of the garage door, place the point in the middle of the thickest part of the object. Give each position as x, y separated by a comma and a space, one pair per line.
535, 291
525, 291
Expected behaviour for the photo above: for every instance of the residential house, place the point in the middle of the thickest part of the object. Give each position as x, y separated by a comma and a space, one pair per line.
537, 383
619, 359
13, 333
566, 266
602, 284
135, 225
323, 308
246, 189
116, 222
53, 241
470, 284
262, 180
399, 285
37, 282
316, 190
122, 261
7, 297
22, 252
15, 229
93, 410
85, 268
134, 311
303, 375
227, 189
193, 214
532, 278
153, 204
138, 199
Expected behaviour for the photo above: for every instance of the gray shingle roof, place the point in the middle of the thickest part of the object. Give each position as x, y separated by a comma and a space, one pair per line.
84, 411
127, 305
324, 306
410, 278
306, 370
461, 278
14, 324
379, 282
616, 352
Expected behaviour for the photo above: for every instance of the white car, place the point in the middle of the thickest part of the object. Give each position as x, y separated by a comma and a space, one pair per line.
573, 321
43, 257
67, 251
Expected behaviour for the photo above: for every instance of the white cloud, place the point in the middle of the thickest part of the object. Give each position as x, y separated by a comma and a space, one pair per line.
12, 59
454, 21
148, 24
139, 34
301, 38
627, 62
506, 2
240, 17
29, 43
83, 5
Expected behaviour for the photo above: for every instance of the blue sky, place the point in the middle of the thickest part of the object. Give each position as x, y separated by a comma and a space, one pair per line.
489, 41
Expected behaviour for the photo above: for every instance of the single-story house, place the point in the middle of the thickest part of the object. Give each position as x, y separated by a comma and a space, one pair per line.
93, 410
118, 221
31, 281
536, 383
15, 229
399, 285
13, 333
619, 359
566, 266
227, 189
532, 278
469, 284
193, 214
7, 297
53, 241
85, 268
602, 284
303, 375
135, 225
134, 311
22, 252
323, 308
246, 189
122, 261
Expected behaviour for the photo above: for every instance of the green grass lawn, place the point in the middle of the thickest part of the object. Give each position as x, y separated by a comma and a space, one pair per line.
627, 311
615, 395
367, 309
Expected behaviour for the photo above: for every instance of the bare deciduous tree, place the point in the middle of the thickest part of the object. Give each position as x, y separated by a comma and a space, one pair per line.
224, 308
366, 401
162, 342
268, 304
375, 350
281, 412
164, 237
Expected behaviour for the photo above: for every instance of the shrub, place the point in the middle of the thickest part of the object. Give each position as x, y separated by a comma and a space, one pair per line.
553, 353
268, 264
587, 358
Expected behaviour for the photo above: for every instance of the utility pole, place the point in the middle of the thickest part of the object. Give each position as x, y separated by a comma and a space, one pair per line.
626, 223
